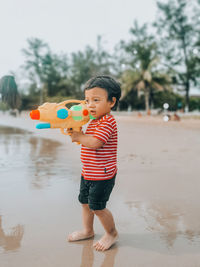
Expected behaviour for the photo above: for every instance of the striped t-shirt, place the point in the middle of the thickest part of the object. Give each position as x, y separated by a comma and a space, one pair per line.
101, 163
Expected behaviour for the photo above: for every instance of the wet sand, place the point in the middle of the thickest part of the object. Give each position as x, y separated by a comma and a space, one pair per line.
155, 201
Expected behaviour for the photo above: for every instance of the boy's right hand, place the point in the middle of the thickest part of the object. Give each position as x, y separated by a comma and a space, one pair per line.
69, 131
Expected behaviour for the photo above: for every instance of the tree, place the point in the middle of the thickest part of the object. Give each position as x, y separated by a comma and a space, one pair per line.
103, 59
82, 67
178, 29
142, 64
34, 54
9, 92
46, 69
88, 63
55, 70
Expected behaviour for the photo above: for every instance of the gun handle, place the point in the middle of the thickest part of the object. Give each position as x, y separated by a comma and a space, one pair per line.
63, 131
77, 129
66, 133
78, 143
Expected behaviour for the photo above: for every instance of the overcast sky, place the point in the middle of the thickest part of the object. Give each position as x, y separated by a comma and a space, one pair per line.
66, 25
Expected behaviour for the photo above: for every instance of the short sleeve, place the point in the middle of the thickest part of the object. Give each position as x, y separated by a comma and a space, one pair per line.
104, 130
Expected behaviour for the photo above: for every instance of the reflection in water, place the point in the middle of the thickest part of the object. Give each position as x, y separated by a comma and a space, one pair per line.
109, 259
12, 240
171, 221
43, 154
88, 254
19, 149
10, 145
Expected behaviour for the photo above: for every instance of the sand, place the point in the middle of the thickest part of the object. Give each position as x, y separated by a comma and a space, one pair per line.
155, 201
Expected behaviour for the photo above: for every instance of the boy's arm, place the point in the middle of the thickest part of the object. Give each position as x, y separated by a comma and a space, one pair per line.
86, 140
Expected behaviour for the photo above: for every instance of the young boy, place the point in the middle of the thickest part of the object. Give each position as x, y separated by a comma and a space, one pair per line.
99, 159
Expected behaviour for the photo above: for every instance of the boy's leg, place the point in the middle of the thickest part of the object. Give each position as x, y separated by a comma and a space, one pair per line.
87, 231
111, 235
98, 196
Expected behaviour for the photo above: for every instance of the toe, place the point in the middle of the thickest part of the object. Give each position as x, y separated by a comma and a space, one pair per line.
95, 244
104, 248
101, 248
69, 238
98, 246
72, 236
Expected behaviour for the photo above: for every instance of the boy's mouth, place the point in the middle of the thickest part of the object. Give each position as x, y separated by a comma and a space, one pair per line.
92, 112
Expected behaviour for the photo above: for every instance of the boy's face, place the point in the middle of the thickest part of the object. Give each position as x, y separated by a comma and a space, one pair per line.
97, 102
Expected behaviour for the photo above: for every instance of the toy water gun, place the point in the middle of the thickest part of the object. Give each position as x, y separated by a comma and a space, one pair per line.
57, 115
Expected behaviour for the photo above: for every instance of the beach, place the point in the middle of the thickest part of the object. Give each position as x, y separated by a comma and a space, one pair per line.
155, 201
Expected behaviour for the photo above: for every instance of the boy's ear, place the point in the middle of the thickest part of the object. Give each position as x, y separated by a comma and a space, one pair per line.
113, 101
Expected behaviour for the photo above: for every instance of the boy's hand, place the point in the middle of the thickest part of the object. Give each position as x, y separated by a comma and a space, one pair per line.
85, 139
75, 136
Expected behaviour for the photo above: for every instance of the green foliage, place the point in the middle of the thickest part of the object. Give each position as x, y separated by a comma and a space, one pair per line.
132, 100
88, 63
146, 66
194, 103
3, 106
142, 62
174, 100
45, 69
29, 102
178, 30
55, 76
9, 92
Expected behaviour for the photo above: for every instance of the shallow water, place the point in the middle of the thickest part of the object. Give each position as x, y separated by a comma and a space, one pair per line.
39, 207
36, 188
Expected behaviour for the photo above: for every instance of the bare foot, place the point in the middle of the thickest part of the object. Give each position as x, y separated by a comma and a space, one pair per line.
106, 241
80, 235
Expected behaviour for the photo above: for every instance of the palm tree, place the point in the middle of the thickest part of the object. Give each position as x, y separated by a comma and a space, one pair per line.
145, 81
142, 61
9, 92
178, 29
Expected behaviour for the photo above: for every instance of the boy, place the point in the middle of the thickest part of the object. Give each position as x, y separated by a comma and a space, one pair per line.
99, 159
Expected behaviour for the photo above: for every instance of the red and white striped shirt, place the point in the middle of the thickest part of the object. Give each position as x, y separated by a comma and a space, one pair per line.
101, 163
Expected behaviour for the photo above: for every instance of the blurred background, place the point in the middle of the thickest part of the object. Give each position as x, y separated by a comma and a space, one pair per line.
53, 47
49, 49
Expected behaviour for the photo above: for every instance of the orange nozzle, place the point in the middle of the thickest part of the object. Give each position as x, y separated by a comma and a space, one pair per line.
85, 112
35, 114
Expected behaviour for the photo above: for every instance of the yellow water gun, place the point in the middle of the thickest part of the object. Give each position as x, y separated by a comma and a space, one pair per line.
57, 115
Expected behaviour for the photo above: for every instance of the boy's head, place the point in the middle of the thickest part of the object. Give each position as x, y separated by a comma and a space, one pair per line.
102, 94
110, 85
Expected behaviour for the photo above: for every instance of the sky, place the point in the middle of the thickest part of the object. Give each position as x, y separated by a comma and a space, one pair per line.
66, 25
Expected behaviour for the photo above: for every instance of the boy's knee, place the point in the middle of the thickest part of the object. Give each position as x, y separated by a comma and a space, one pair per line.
95, 206
85, 205
98, 212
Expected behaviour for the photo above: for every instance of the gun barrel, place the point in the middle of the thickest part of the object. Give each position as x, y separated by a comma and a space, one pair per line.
35, 114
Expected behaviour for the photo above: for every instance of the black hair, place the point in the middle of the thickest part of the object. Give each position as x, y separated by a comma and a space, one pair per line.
107, 83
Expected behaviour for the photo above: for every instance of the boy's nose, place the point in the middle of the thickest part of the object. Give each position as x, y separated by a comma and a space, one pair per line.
91, 104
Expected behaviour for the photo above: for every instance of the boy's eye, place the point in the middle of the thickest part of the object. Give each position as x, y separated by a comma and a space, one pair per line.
96, 99
86, 101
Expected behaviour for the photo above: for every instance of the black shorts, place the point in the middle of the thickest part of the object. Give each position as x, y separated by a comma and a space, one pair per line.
95, 193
